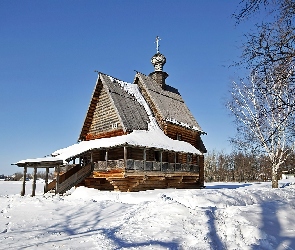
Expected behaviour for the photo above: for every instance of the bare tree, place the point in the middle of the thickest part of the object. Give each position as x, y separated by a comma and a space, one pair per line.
263, 105
278, 9
264, 114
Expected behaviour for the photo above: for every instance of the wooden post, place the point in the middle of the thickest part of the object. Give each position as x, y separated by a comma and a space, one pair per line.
125, 157
161, 160
91, 161
175, 158
201, 170
57, 180
144, 159
46, 180
107, 157
34, 181
24, 182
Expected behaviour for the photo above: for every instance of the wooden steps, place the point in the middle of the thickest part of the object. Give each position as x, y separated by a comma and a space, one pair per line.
69, 179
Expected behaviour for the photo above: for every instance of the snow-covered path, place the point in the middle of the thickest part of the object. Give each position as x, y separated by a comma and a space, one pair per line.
222, 216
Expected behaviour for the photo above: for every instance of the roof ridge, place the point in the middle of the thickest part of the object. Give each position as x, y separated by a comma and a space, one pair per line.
141, 73
115, 78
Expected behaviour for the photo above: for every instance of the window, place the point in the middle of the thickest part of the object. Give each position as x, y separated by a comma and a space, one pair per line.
114, 125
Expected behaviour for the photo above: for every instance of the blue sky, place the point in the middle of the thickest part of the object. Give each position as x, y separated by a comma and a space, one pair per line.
50, 49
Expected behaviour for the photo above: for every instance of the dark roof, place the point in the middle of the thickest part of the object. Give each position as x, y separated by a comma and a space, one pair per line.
131, 112
168, 102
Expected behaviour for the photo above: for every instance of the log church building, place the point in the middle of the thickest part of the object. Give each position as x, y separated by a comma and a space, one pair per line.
136, 136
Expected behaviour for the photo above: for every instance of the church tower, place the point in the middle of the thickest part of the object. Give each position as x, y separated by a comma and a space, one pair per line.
159, 60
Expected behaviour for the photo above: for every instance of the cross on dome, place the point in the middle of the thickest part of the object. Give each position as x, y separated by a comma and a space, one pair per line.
158, 60
157, 42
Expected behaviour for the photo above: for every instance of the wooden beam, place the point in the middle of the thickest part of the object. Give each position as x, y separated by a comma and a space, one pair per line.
144, 158
125, 157
161, 159
107, 157
34, 182
91, 161
24, 182
175, 156
46, 180
57, 180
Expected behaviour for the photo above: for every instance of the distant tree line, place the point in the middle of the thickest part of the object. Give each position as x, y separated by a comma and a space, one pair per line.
40, 175
241, 167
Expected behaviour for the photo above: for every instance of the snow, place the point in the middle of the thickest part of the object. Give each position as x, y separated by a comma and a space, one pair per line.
221, 216
174, 121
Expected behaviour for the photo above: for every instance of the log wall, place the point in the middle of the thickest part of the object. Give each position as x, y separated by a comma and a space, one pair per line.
140, 181
107, 134
187, 135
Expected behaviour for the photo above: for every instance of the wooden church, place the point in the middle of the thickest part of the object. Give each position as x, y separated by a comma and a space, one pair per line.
136, 136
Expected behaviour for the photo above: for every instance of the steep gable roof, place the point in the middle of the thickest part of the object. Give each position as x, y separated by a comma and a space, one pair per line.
131, 113
168, 102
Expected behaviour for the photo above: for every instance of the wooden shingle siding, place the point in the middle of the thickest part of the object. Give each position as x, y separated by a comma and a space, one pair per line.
91, 110
166, 103
130, 111
151, 104
112, 111
105, 117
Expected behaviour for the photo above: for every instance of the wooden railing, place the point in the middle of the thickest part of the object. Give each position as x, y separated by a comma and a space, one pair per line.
69, 179
74, 179
110, 164
51, 185
140, 165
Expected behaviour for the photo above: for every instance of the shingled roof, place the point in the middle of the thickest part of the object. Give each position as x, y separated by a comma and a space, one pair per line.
168, 102
131, 113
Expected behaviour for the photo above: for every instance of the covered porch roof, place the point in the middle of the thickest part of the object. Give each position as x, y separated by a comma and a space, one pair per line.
154, 138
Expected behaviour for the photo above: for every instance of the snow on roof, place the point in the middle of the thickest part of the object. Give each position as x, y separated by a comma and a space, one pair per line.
48, 160
133, 90
152, 139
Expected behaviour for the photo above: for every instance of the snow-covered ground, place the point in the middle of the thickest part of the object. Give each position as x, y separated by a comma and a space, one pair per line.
221, 216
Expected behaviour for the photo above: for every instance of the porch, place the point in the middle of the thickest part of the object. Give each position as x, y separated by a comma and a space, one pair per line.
121, 168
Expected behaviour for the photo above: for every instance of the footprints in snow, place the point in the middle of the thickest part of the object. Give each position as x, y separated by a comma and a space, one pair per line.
3, 213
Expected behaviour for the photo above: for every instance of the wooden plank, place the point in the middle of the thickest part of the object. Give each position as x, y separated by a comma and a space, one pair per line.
50, 186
